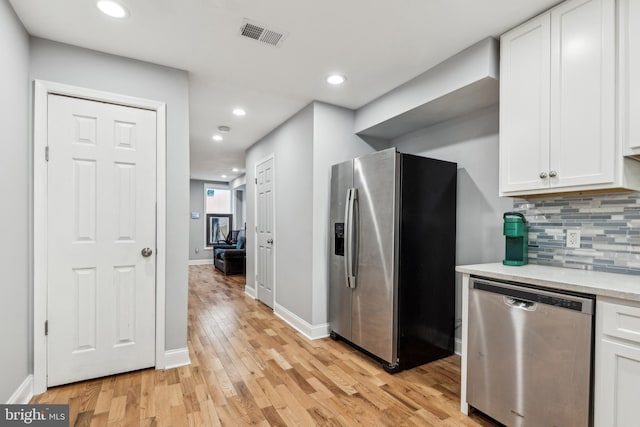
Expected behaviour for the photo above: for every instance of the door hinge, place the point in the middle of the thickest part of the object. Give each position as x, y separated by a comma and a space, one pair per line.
256, 180
46, 328
46, 153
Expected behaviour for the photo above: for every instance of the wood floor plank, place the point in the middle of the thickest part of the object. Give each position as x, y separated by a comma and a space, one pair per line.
248, 367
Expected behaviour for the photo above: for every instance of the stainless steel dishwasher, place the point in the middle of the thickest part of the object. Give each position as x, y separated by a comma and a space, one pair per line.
529, 354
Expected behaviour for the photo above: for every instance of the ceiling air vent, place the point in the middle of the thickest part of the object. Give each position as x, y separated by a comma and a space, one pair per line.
261, 33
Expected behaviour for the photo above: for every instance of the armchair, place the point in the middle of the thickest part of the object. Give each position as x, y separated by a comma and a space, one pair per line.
230, 259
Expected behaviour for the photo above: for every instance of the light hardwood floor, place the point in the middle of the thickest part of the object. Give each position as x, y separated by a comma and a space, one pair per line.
249, 367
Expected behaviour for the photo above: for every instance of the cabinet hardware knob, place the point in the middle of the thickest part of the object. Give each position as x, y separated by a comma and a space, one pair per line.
553, 174
543, 175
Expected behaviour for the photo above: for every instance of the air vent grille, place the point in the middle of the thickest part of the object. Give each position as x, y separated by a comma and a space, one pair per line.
251, 31
261, 33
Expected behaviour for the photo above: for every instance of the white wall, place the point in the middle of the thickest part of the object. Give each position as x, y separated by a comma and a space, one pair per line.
239, 182
305, 147
472, 142
239, 187
292, 145
16, 360
333, 142
86, 68
239, 208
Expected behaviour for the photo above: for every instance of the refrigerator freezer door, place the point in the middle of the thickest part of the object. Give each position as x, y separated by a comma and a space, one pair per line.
339, 293
375, 295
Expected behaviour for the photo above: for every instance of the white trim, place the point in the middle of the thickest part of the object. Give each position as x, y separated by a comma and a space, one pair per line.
23, 394
313, 332
206, 261
176, 358
464, 406
271, 156
161, 230
41, 90
457, 347
249, 291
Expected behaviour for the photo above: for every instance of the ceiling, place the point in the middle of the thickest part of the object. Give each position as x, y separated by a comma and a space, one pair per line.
377, 44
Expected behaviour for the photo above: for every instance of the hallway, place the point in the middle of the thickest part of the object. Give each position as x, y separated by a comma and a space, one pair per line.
248, 367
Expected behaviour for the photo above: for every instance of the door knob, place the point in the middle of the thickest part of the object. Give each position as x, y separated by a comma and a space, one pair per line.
146, 252
270, 241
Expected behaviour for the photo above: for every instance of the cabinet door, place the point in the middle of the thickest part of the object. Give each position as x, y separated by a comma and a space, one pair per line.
524, 106
583, 140
629, 75
617, 385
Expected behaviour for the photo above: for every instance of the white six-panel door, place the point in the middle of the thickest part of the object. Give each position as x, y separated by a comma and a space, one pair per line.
264, 230
101, 205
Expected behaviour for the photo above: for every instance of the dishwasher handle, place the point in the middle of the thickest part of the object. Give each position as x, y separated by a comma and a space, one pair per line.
520, 303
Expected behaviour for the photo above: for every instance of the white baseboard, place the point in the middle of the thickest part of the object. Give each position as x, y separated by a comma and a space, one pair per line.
176, 358
313, 332
23, 394
250, 292
457, 349
201, 262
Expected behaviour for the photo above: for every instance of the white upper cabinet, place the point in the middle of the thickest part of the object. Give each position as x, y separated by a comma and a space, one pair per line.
629, 75
583, 93
558, 103
524, 105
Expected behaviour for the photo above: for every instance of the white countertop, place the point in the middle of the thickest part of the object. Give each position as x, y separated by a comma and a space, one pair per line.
623, 286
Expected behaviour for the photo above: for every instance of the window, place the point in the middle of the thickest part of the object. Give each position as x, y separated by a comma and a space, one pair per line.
217, 214
217, 200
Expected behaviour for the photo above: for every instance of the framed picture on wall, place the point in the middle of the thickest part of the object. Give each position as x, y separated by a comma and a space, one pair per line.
218, 227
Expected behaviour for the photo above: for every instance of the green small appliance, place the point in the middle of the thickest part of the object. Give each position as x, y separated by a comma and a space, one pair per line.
516, 235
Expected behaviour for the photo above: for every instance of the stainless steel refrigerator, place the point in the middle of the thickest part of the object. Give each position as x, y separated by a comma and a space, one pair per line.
393, 221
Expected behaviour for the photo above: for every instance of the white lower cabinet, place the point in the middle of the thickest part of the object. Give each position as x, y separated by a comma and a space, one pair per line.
617, 364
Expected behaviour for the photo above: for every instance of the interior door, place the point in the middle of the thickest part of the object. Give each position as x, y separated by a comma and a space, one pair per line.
101, 239
264, 230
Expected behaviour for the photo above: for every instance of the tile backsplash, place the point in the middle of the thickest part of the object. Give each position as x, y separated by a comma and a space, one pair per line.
609, 225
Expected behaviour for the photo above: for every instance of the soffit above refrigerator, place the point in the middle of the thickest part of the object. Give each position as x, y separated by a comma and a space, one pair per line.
466, 82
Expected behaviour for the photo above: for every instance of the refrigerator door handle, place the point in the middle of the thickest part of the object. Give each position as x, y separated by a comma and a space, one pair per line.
352, 196
347, 226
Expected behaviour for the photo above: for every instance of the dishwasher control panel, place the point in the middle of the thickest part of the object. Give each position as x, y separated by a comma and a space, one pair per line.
569, 302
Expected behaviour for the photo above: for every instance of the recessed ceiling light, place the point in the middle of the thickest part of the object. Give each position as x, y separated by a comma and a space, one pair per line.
336, 79
239, 112
113, 9
223, 176
216, 138
234, 170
